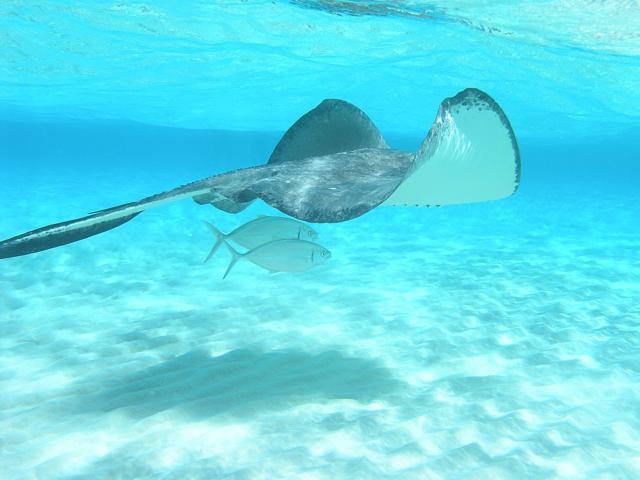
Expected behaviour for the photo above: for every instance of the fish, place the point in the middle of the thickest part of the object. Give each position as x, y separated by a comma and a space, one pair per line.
262, 230
282, 256
333, 165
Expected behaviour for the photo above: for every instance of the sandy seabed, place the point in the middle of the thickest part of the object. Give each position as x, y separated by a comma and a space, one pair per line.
495, 341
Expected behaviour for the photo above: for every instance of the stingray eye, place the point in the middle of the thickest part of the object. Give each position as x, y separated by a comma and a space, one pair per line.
310, 233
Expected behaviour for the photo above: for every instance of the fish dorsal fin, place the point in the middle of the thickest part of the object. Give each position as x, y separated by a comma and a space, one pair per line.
470, 155
334, 126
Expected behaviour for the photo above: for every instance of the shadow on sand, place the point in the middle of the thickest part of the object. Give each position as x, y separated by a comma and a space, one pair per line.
241, 382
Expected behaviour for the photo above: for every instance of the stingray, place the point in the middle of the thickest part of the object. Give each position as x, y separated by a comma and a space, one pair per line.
333, 165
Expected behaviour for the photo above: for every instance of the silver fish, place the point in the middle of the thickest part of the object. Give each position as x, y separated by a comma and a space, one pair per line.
282, 256
262, 230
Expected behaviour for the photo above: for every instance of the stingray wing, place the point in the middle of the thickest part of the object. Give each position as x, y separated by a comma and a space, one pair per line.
469, 155
334, 126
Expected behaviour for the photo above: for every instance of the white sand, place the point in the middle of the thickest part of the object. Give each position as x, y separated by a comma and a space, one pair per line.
490, 341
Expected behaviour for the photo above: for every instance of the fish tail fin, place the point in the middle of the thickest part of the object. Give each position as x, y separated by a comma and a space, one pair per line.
235, 256
220, 239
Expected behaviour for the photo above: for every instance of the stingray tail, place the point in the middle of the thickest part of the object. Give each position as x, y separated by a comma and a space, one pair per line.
235, 256
70, 231
220, 239
61, 233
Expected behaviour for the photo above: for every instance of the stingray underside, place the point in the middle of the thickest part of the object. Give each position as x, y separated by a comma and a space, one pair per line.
469, 155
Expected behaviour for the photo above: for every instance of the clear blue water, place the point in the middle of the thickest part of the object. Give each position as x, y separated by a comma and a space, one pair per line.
491, 340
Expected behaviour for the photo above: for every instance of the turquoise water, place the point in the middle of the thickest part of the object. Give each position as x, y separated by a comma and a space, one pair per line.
493, 340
